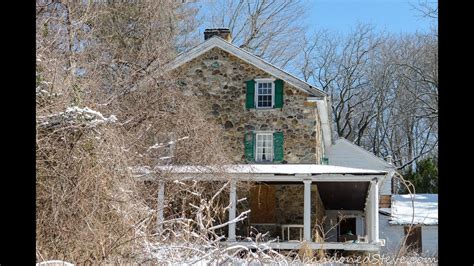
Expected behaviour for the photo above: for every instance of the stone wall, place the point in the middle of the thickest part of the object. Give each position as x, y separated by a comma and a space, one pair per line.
289, 210
219, 78
290, 206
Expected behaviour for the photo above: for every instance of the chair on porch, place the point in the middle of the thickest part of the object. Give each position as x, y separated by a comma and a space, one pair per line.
288, 227
348, 237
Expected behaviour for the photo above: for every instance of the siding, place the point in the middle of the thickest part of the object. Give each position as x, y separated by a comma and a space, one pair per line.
393, 235
345, 153
429, 240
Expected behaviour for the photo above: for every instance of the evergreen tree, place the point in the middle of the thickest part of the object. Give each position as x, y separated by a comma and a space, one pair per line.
425, 178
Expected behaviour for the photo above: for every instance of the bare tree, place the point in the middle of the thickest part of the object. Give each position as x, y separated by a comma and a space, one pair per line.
384, 89
270, 29
427, 8
341, 68
94, 127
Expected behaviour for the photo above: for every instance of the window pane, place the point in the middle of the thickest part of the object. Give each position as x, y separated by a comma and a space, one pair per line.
264, 94
264, 147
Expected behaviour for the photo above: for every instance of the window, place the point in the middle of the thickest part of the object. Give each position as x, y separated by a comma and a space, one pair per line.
265, 92
264, 147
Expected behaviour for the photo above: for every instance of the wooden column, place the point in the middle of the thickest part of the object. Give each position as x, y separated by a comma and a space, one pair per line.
375, 211
368, 215
368, 219
307, 210
232, 210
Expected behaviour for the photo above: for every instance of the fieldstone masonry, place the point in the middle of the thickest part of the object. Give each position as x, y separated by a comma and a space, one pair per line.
219, 78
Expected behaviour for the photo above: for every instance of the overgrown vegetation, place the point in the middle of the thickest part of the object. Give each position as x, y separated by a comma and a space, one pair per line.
101, 111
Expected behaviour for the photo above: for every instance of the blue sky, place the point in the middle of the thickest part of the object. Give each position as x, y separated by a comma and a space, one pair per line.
393, 16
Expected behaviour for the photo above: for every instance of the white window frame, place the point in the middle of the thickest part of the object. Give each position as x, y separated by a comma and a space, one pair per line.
272, 154
265, 80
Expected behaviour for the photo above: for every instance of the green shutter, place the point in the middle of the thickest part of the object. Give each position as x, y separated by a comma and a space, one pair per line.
249, 141
250, 100
325, 160
278, 93
278, 146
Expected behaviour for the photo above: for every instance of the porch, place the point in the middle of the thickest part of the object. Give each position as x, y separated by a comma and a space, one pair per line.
346, 193
335, 214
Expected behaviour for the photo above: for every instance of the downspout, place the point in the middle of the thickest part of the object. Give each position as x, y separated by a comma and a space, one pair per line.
322, 104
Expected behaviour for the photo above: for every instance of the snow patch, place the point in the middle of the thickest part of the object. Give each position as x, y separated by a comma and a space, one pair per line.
161, 145
75, 116
426, 209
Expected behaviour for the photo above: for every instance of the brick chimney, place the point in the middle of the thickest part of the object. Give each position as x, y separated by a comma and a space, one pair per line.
224, 33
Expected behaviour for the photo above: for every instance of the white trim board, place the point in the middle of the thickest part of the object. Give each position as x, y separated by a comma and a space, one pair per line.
264, 172
247, 57
264, 178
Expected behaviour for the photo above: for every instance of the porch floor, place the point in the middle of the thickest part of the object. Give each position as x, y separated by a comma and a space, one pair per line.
296, 245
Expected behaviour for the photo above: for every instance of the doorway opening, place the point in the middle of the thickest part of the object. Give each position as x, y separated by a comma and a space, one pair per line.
346, 230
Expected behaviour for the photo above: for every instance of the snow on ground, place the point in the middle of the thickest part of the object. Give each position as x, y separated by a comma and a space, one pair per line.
426, 209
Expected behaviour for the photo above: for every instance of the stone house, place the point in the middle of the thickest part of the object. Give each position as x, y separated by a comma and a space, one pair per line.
309, 187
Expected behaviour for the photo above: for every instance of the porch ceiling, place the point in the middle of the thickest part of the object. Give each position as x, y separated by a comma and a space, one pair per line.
343, 195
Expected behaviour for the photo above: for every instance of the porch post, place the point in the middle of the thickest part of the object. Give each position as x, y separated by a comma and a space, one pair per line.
232, 210
368, 216
375, 210
160, 205
307, 210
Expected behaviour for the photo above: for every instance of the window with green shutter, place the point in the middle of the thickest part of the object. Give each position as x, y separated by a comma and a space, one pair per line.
264, 93
278, 147
264, 147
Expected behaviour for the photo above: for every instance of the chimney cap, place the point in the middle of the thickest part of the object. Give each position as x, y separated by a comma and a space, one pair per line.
217, 30
224, 33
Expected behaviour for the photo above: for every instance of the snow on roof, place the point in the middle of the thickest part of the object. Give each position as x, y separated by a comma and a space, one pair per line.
270, 169
426, 209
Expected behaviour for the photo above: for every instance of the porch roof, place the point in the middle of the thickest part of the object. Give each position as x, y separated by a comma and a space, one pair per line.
287, 169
